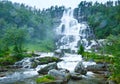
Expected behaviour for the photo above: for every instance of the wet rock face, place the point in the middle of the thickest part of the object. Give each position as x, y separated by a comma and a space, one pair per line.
76, 76
80, 69
34, 62
98, 67
59, 53
50, 66
62, 74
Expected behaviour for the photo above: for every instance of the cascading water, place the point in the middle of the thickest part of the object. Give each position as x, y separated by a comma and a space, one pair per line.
72, 34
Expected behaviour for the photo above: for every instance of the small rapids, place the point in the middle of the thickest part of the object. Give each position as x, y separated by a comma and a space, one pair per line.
69, 62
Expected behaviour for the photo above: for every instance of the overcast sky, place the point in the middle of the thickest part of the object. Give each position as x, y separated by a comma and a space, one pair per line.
48, 3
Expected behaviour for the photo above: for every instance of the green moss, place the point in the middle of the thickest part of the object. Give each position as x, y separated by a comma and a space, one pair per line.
45, 60
44, 79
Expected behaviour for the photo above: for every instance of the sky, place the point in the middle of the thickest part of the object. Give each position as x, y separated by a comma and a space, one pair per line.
48, 3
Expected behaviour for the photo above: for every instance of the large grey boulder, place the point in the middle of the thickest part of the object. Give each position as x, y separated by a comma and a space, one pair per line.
50, 66
80, 69
62, 74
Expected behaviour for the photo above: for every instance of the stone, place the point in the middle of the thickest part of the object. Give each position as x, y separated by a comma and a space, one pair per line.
97, 67
76, 76
2, 75
59, 53
60, 74
111, 82
80, 69
46, 60
3, 69
54, 82
50, 66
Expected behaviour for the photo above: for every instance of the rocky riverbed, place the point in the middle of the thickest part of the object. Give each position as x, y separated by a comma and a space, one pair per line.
70, 69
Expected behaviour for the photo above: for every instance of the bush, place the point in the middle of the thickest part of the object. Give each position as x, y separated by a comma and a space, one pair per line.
8, 60
81, 50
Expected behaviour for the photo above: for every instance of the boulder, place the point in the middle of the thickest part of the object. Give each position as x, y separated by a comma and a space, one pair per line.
46, 60
80, 69
110, 82
76, 76
63, 75
53, 82
97, 67
59, 53
3, 69
2, 75
50, 66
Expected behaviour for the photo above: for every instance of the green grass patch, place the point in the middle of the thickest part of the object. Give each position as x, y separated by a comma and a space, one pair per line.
98, 57
38, 47
45, 79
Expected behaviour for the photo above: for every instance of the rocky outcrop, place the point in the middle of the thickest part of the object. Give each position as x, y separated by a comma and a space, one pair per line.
62, 74
45, 69
111, 82
46, 60
98, 67
80, 69
54, 82
3, 69
76, 76
34, 62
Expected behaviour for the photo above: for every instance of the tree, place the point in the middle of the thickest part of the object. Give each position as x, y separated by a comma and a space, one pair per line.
81, 50
15, 37
113, 48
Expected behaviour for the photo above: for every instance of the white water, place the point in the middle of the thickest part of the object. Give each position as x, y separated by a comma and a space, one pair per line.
73, 33
71, 60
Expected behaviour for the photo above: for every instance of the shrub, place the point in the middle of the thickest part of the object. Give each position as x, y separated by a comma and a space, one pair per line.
8, 60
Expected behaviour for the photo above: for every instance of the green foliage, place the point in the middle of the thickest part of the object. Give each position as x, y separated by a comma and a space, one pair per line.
99, 58
45, 79
18, 20
113, 48
81, 50
8, 60
104, 19
15, 37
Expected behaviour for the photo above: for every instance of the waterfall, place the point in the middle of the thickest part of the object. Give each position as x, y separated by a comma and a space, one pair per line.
73, 34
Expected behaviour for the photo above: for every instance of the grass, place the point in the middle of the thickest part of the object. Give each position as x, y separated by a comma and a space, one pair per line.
11, 58
97, 57
45, 79
37, 47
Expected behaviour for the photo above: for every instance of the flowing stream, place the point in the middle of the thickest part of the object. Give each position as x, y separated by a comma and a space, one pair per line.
71, 34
